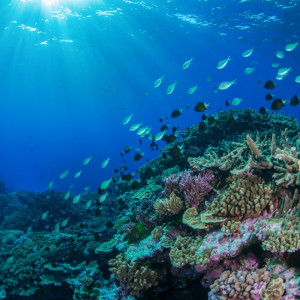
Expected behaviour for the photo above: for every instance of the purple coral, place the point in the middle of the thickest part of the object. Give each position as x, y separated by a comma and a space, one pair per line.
192, 188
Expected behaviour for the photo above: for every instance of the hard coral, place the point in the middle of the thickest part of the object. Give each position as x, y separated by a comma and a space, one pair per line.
244, 285
191, 188
246, 196
282, 235
168, 206
184, 251
274, 290
133, 276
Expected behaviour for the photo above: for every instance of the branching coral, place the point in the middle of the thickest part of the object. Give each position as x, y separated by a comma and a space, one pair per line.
191, 188
168, 206
245, 285
284, 162
133, 276
232, 227
184, 251
282, 235
246, 196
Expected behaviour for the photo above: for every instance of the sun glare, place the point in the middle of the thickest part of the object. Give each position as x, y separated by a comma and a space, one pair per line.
50, 2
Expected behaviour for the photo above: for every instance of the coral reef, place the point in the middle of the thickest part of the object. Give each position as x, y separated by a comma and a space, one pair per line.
133, 276
170, 207
218, 219
240, 285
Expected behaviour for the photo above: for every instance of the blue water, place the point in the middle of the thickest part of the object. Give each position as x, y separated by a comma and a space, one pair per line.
70, 71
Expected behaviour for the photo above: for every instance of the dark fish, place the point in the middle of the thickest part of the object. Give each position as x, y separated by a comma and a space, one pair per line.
148, 173
201, 106
135, 185
137, 157
269, 85
174, 129
109, 224
152, 144
169, 138
141, 142
187, 106
122, 154
164, 127
127, 149
127, 177
161, 119
176, 113
202, 126
227, 103
269, 97
277, 104
294, 101
259, 81
211, 120
116, 171
263, 111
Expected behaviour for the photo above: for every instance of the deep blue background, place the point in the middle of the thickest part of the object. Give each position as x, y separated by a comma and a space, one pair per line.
64, 101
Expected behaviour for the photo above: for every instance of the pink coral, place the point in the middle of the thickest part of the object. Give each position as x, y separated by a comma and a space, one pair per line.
193, 188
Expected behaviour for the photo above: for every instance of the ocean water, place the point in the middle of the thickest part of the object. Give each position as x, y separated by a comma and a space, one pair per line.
72, 70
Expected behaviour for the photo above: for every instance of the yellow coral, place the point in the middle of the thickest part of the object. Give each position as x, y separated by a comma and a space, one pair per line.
134, 276
240, 284
168, 206
184, 251
246, 196
232, 227
192, 219
274, 290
